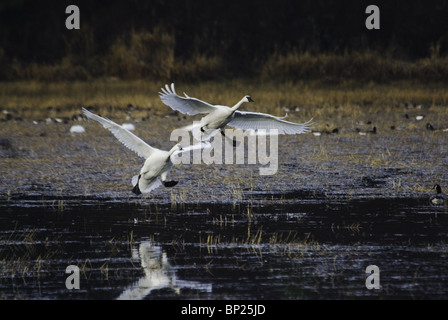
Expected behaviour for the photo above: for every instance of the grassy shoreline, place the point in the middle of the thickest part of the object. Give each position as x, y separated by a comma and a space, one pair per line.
268, 95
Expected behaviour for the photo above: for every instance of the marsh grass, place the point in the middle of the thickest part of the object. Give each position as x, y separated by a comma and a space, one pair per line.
24, 256
289, 245
359, 65
154, 54
33, 99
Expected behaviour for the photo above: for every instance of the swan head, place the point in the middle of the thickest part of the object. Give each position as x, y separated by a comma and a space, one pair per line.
245, 99
248, 99
176, 147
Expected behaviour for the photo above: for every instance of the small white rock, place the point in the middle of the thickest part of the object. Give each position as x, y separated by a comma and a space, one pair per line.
77, 129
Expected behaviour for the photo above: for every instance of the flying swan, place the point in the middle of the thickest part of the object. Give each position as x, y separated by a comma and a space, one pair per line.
158, 162
219, 116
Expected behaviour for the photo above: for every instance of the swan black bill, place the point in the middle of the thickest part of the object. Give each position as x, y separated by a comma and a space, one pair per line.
170, 184
250, 99
136, 189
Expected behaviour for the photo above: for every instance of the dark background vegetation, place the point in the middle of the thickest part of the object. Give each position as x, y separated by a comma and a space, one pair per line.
197, 39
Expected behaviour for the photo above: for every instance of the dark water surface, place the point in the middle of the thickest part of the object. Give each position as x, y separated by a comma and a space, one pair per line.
308, 249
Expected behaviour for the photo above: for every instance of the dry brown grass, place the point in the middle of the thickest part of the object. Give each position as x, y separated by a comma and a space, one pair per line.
151, 55
144, 55
139, 55
363, 66
330, 106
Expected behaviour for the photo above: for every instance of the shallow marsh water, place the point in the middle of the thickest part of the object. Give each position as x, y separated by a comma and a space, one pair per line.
316, 250
337, 204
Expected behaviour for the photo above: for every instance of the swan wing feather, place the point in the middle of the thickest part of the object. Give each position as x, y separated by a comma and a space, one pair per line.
186, 105
200, 145
126, 137
263, 121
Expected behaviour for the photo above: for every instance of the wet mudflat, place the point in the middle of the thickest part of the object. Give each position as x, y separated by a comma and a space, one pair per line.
338, 203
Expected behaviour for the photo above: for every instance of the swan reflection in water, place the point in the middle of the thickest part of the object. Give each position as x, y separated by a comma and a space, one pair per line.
159, 274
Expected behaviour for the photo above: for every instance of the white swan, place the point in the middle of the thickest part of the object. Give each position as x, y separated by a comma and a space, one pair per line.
158, 162
220, 116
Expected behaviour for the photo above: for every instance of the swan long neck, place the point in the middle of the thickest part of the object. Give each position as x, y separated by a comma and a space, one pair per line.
238, 104
174, 149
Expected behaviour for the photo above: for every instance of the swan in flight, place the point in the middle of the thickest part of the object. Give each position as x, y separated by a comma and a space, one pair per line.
219, 116
158, 162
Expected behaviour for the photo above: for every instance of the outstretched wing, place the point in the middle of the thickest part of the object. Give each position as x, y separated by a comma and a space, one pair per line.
263, 121
188, 105
127, 138
200, 145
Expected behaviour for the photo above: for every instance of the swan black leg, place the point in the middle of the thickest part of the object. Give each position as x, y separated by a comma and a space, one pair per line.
224, 135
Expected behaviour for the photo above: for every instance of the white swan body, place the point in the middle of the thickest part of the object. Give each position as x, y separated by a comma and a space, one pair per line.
158, 162
220, 116
154, 171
